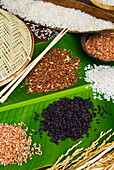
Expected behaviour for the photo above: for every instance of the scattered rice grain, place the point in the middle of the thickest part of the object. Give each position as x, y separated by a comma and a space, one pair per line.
15, 145
102, 81
46, 13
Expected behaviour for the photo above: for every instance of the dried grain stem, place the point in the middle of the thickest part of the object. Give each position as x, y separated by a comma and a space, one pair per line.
90, 157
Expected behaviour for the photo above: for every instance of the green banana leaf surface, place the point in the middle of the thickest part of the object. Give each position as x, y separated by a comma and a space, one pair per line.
69, 41
21, 107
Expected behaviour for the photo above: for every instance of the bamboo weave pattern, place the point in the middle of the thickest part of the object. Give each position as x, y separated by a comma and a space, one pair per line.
15, 44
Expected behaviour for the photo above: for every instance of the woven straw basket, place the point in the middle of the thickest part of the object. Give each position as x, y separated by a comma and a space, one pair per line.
16, 46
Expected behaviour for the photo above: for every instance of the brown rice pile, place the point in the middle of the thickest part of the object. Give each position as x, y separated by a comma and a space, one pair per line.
55, 71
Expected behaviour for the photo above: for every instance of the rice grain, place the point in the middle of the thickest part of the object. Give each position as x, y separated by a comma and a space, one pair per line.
106, 2
102, 81
50, 15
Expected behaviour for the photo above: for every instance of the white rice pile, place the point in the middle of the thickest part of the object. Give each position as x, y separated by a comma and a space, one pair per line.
102, 79
51, 15
107, 2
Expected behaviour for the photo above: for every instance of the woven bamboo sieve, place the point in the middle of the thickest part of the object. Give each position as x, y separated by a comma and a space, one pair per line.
16, 46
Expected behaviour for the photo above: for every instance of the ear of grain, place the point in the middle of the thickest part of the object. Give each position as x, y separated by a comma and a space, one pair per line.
90, 158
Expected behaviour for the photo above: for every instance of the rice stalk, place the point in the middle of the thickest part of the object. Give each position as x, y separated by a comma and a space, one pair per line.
90, 158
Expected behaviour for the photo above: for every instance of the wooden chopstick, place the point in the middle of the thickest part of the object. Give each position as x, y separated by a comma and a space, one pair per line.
24, 73
13, 81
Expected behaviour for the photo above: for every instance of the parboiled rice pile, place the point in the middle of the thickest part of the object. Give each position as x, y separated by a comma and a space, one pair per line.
51, 15
102, 79
106, 2
15, 145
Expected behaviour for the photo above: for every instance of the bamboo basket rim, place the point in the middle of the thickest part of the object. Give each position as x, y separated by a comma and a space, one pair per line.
11, 76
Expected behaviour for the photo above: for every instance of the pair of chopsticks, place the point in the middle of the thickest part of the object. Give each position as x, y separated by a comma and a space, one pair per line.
24, 73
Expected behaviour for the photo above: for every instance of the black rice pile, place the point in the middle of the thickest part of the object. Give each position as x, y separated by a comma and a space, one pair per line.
67, 118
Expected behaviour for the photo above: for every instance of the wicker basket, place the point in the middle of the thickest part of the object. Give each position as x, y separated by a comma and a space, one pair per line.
16, 46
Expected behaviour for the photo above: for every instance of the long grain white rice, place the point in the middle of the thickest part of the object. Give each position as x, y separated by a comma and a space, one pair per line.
102, 81
46, 13
106, 2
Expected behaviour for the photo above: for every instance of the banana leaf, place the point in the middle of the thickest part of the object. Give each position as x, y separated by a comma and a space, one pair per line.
69, 41
21, 107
